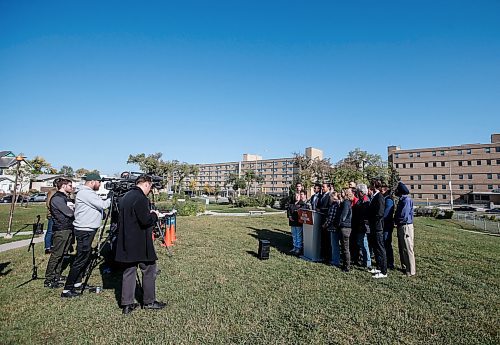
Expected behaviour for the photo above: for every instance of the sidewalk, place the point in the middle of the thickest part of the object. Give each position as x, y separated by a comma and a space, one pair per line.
19, 244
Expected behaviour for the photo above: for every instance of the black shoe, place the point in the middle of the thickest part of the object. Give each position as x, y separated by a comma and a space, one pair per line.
48, 251
70, 294
52, 284
155, 305
345, 269
127, 309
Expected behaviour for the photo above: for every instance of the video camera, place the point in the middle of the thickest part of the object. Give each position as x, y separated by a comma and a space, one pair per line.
126, 181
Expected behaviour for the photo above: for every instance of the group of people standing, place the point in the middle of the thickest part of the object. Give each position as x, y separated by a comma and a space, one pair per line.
357, 223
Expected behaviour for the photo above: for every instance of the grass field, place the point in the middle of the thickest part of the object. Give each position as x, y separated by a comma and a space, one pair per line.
220, 293
22, 216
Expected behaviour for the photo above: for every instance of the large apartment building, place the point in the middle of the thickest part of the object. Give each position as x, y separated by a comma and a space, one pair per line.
472, 171
278, 173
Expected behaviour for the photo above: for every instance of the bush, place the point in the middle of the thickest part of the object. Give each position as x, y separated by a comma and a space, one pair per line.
189, 208
261, 200
446, 214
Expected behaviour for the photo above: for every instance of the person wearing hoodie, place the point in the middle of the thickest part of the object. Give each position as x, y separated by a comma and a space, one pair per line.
89, 208
404, 221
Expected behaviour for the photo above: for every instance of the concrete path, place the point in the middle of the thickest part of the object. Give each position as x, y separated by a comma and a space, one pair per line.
246, 214
19, 244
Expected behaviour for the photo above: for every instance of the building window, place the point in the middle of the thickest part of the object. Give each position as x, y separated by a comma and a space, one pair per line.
444, 196
469, 176
459, 163
478, 162
461, 186
418, 153
490, 186
419, 177
426, 164
469, 151
441, 153
433, 153
435, 177
488, 162
410, 155
404, 165
397, 155
498, 176
434, 164
443, 177
397, 165
461, 177
411, 177
435, 186
469, 163
419, 196
459, 152
412, 186
489, 176
435, 196
443, 186
487, 150
471, 186
443, 164
498, 161
411, 165
419, 186
497, 149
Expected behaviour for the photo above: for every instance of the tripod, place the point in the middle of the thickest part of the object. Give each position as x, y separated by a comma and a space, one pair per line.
34, 272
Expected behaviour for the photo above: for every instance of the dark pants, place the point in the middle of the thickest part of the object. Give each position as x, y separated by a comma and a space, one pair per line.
379, 250
326, 247
61, 240
388, 248
83, 250
148, 282
346, 254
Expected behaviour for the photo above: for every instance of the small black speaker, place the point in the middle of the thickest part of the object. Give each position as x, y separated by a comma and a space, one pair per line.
264, 248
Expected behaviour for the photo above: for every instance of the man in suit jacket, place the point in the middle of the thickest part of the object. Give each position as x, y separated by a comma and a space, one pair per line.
315, 197
376, 221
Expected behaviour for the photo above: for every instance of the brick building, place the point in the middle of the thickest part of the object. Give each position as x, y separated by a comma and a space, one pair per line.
472, 171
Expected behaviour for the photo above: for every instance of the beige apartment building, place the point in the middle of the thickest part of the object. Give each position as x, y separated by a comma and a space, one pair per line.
472, 171
278, 173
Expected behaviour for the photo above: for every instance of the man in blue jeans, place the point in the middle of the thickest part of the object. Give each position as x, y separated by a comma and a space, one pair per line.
388, 225
50, 221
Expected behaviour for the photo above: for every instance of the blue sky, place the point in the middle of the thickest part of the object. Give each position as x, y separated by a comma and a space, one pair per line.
86, 83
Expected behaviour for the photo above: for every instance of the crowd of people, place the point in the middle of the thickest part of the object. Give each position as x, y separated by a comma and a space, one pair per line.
80, 218
357, 225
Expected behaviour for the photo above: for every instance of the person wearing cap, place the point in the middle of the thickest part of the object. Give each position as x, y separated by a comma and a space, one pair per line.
89, 210
404, 222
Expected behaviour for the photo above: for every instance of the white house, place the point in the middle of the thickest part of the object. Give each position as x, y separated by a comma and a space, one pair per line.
8, 161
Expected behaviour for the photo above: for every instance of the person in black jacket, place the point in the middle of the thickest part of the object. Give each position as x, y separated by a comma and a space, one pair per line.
62, 231
134, 245
343, 226
376, 220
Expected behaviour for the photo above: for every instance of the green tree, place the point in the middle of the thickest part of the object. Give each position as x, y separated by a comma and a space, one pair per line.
184, 170
249, 176
236, 182
81, 172
66, 171
39, 165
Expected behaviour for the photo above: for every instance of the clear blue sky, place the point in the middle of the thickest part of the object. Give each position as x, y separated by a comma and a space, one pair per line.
86, 83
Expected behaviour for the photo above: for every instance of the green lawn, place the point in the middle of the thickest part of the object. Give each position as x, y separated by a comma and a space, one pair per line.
22, 216
220, 293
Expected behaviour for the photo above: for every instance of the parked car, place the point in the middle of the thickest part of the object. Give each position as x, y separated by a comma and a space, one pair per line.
493, 210
40, 197
8, 199
464, 208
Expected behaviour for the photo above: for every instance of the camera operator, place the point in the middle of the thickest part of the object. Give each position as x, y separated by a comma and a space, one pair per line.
89, 208
134, 247
62, 231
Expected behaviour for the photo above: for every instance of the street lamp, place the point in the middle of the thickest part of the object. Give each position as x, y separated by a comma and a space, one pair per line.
19, 159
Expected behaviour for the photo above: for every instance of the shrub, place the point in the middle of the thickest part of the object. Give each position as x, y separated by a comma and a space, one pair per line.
189, 208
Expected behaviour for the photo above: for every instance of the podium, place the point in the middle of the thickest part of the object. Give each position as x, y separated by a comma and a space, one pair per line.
311, 230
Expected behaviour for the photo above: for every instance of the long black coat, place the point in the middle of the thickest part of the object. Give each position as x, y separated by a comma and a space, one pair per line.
376, 213
134, 241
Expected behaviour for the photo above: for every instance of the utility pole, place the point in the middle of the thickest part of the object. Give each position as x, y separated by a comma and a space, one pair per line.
19, 159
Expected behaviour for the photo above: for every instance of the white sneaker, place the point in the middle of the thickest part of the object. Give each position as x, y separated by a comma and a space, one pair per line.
374, 271
379, 275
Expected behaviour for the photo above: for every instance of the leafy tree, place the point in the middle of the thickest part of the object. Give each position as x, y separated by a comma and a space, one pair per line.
193, 184
236, 182
249, 176
66, 171
39, 165
81, 172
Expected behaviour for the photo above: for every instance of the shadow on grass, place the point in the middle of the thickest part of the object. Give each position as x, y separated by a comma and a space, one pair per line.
3, 266
278, 239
